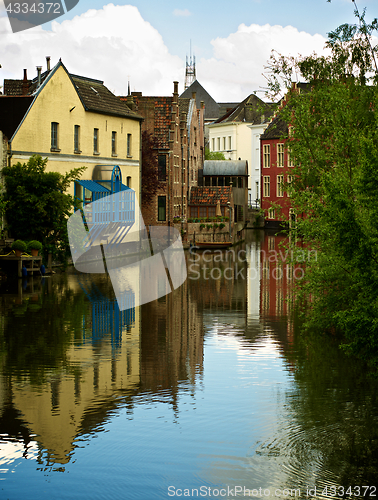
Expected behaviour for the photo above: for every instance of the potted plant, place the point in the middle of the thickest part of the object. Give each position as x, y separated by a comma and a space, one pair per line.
34, 247
19, 246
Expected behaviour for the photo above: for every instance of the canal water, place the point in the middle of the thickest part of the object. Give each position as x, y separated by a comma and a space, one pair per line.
210, 391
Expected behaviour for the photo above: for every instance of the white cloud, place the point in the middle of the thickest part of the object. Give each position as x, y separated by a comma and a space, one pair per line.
185, 12
236, 68
115, 43
112, 44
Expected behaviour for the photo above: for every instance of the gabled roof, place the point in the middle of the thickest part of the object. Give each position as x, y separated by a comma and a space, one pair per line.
210, 195
278, 128
252, 110
211, 107
93, 94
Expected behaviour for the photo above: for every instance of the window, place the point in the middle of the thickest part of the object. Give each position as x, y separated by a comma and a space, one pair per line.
218, 140
128, 181
289, 181
229, 142
224, 144
162, 167
280, 189
292, 218
266, 186
257, 191
77, 139
129, 145
280, 155
161, 208
95, 141
271, 213
266, 155
114, 143
54, 136
213, 144
290, 160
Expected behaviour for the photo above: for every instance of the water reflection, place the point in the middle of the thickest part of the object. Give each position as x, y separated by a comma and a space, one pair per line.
210, 385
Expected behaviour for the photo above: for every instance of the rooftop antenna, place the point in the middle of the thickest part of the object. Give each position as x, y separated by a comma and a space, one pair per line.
190, 71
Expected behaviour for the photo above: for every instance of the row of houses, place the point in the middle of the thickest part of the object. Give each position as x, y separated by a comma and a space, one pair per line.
76, 121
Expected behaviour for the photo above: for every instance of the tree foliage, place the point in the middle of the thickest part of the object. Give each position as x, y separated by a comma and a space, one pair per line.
334, 143
37, 205
214, 155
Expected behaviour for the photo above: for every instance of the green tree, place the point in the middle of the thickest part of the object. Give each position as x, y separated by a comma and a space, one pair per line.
37, 205
334, 144
213, 155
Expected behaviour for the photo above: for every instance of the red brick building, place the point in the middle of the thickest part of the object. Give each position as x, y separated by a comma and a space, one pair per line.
177, 125
276, 169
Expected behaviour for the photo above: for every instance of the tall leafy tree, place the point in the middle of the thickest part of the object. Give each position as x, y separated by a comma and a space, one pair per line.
334, 143
37, 204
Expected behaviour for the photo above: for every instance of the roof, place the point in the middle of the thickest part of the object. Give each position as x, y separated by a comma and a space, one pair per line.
252, 110
93, 186
278, 128
211, 107
98, 98
210, 195
93, 94
225, 167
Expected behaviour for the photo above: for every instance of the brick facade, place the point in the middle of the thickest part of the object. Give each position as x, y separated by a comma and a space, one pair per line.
178, 127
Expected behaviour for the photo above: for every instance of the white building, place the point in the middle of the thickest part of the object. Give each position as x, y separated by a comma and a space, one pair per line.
237, 135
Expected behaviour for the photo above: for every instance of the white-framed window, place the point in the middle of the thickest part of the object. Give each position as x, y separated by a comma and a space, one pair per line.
271, 213
289, 181
219, 143
224, 144
266, 186
266, 155
280, 154
290, 159
280, 187
213, 144
229, 142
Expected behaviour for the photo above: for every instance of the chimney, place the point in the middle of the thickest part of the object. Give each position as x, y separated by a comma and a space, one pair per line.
39, 69
25, 85
175, 92
48, 63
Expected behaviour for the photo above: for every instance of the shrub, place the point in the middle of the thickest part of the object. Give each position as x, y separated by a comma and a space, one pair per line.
19, 245
34, 245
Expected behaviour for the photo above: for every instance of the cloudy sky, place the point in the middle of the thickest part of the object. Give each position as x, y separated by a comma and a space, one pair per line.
147, 41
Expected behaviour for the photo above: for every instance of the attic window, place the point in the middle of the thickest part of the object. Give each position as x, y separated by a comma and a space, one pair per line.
94, 90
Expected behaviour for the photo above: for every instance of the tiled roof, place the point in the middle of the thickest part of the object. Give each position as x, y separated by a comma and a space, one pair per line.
93, 93
203, 195
184, 105
162, 106
96, 97
251, 110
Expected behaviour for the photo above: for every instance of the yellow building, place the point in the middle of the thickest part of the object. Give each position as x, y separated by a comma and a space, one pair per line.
73, 121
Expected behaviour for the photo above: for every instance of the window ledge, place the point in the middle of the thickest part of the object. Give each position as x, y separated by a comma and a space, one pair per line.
114, 155
129, 156
77, 151
96, 153
55, 150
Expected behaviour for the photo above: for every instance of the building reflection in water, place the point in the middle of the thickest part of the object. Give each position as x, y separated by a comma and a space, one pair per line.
106, 358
